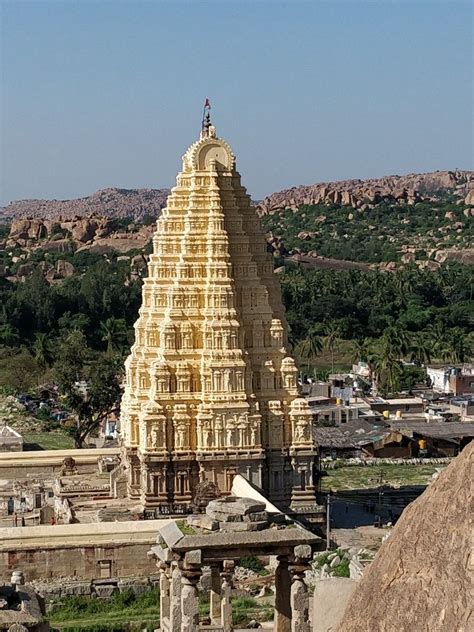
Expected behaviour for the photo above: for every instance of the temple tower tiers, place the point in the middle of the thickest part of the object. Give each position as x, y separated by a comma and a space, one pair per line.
210, 387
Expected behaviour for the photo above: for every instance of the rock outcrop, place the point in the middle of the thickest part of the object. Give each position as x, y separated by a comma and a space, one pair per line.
362, 194
421, 577
112, 202
95, 233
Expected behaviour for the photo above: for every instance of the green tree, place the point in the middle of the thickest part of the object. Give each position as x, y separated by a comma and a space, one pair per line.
89, 384
420, 349
42, 351
457, 347
114, 334
18, 371
360, 349
309, 348
331, 340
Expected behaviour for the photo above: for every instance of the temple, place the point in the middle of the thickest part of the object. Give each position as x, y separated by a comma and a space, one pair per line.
211, 390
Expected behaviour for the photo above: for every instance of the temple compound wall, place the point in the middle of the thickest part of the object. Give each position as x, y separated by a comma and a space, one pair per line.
19, 465
211, 389
83, 551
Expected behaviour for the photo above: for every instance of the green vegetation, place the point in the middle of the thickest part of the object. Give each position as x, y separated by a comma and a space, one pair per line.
341, 570
79, 329
124, 611
348, 477
127, 611
252, 563
47, 441
376, 234
381, 318
246, 608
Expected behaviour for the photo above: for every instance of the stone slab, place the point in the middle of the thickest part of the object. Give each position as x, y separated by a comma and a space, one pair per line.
201, 521
171, 533
329, 602
258, 516
223, 516
234, 505
267, 537
243, 526
105, 592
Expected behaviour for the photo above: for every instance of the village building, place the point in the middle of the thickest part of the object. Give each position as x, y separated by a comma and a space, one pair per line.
452, 380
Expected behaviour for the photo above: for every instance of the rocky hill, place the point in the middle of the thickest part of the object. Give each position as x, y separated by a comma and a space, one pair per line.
421, 577
113, 202
362, 194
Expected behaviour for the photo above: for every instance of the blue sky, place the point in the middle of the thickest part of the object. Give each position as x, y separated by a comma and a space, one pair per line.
97, 94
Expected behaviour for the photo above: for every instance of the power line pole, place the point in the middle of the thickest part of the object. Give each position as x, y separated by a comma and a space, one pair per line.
328, 522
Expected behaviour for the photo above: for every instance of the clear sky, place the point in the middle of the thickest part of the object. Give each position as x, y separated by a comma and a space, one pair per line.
109, 93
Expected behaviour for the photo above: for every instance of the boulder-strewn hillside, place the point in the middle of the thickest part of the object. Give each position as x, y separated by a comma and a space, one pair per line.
408, 189
421, 577
113, 202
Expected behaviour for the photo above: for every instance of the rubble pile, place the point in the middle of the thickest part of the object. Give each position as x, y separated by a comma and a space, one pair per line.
237, 514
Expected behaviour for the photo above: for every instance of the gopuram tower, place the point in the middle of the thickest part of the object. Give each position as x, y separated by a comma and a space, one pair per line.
210, 388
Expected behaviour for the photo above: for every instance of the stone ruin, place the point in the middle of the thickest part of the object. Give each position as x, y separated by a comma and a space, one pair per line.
238, 514
21, 609
182, 560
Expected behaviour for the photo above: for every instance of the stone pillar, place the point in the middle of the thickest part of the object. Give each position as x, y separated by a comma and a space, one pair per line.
215, 595
175, 599
299, 590
226, 606
282, 596
164, 594
189, 602
191, 572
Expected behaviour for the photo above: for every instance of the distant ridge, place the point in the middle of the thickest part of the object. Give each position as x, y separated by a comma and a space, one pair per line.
111, 203
136, 203
409, 189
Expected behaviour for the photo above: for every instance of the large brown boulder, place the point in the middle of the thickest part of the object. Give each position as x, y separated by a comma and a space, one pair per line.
84, 230
420, 579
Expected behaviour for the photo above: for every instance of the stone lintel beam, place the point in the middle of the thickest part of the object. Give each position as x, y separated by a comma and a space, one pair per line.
267, 539
233, 553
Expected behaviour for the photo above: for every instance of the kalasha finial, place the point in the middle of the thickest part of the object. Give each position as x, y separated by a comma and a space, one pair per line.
206, 118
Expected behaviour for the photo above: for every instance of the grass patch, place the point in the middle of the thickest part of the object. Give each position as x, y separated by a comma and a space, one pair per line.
186, 528
123, 611
369, 476
47, 441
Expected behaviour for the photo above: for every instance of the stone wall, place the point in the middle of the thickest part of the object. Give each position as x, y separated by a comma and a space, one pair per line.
46, 462
79, 551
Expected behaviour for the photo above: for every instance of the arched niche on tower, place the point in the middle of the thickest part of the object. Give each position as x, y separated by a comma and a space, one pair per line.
214, 151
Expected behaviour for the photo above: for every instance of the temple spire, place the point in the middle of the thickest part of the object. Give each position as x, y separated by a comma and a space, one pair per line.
206, 119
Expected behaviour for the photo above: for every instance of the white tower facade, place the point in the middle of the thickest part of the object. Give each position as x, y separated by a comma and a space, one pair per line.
210, 387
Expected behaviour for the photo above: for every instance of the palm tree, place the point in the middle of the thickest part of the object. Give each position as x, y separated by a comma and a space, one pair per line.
331, 340
8, 336
420, 349
386, 365
437, 337
310, 347
114, 333
42, 351
360, 349
457, 348
396, 340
